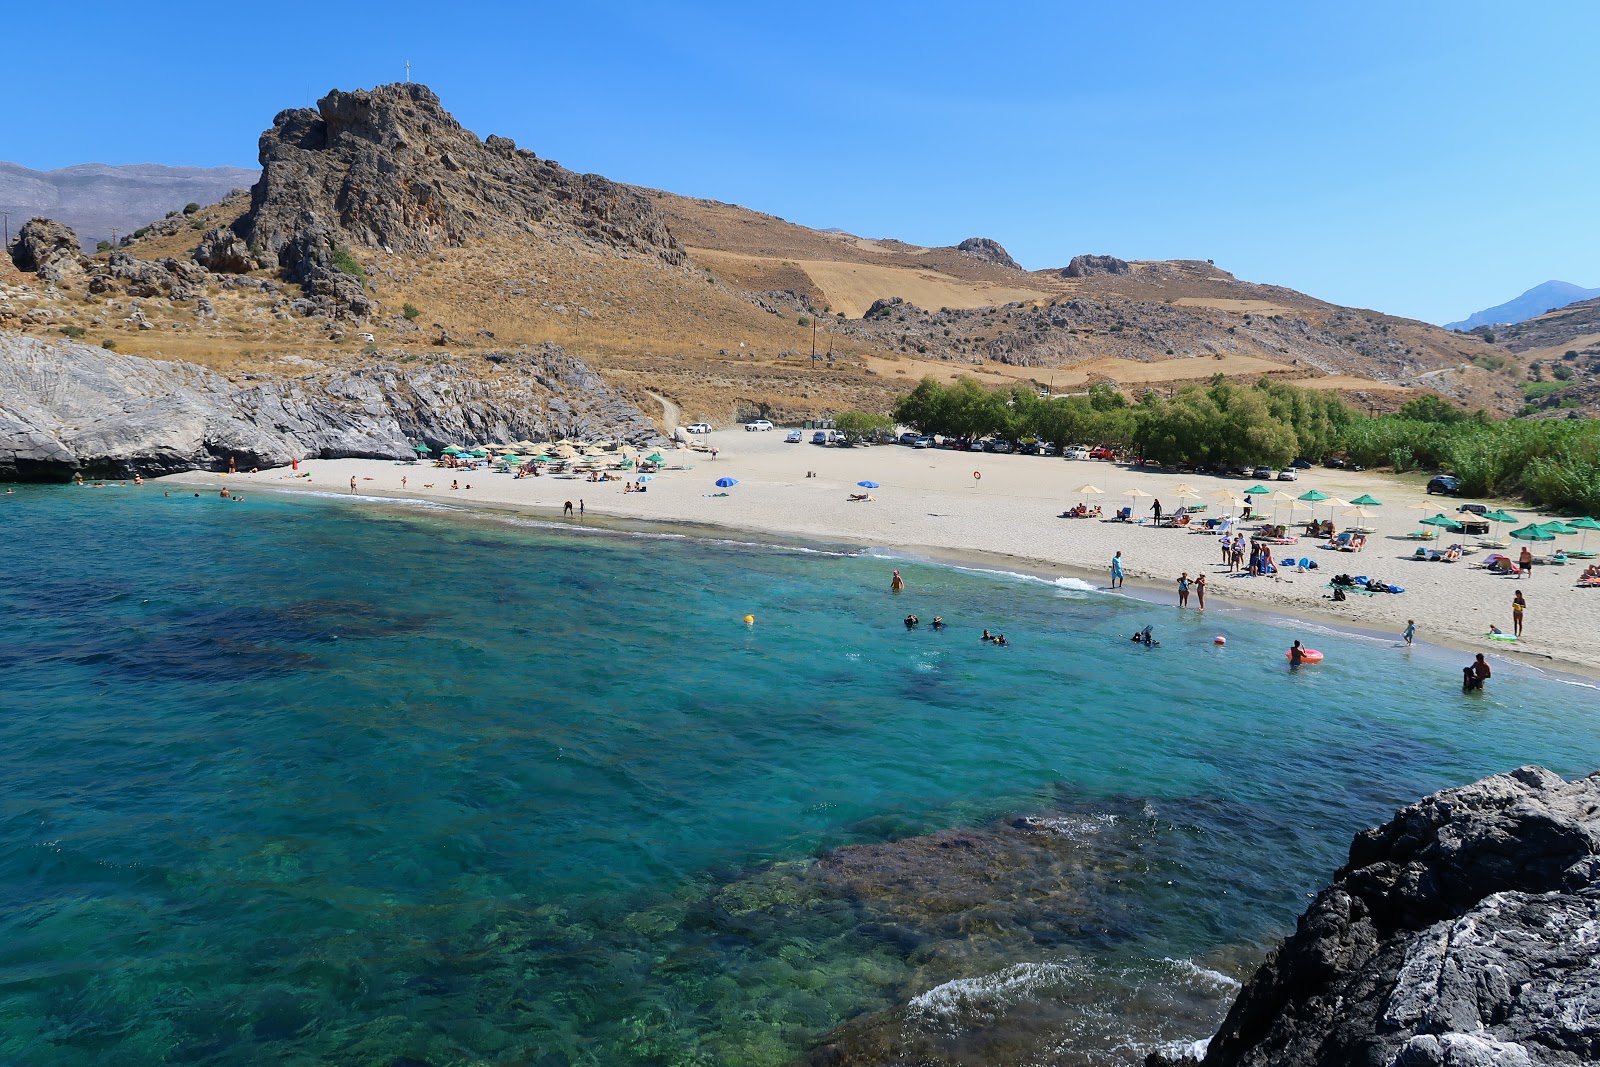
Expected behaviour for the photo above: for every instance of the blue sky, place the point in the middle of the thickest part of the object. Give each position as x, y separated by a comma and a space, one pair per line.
1426, 159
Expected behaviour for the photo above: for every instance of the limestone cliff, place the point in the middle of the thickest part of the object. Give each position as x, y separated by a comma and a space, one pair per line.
69, 407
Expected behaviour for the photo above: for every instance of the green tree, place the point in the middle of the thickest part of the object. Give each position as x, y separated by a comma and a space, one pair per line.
861, 424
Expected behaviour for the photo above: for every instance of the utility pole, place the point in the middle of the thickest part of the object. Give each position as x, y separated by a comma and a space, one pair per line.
7, 214
408, 72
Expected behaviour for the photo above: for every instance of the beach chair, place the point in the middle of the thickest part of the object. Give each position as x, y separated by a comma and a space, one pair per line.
1124, 515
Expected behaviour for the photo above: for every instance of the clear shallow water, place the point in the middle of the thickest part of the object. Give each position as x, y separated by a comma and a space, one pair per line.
296, 781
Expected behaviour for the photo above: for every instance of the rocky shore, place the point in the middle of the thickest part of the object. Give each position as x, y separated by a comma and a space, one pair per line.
1462, 932
69, 408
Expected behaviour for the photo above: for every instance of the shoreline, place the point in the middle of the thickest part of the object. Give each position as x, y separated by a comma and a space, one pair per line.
1138, 585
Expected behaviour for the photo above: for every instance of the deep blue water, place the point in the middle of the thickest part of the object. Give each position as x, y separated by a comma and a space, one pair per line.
329, 781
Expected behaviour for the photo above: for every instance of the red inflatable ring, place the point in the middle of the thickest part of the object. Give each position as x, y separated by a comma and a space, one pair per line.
977, 476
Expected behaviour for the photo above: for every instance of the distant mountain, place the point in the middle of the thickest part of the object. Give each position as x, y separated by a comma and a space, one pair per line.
1535, 301
96, 199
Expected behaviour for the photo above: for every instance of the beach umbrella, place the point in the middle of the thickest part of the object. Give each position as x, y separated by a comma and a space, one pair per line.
1584, 524
422, 450
647, 477
1312, 496
480, 452
1444, 522
1557, 527
1533, 533
451, 450
1360, 513
1089, 489
1257, 490
1499, 516
1367, 501
868, 485
510, 459
1185, 490
1134, 494
727, 483
654, 457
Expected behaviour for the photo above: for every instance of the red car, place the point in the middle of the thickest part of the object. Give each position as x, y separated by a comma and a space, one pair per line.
1102, 453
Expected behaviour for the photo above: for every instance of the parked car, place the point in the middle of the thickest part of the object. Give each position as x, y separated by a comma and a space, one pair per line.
1046, 449
1301, 464
1448, 484
1335, 462
909, 437
792, 437
1476, 509
922, 442
1102, 452
759, 424
1000, 446
1288, 474
1261, 472
698, 427
1075, 453
819, 437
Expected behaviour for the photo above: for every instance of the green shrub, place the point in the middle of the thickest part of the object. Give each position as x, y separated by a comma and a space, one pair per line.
109, 345
804, 321
1539, 390
141, 231
102, 246
74, 332
410, 311
346, 263
190, 208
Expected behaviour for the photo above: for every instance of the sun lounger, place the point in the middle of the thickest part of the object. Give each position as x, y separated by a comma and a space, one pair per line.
1422, 535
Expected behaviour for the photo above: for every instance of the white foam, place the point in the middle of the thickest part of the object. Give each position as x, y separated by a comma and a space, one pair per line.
982, 996
1214, 977
398, 501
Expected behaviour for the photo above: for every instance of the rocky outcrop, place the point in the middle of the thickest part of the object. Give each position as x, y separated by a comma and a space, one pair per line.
49, 249
1089, 266
67, 407
892, 309
1462, 932
987, 250
390, 169
174, 279
224, 252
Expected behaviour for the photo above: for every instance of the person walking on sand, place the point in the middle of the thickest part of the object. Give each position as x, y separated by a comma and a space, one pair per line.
897, 584
1155, 509
1518, 606
352, 483
1525, 562
1116, 571
1183, 590
402, 481
1411, 630
1200, 590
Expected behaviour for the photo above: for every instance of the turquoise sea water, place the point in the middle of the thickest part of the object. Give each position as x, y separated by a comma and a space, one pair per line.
331, 781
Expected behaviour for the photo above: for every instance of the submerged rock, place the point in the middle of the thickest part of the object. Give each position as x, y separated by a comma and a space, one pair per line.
1462, 932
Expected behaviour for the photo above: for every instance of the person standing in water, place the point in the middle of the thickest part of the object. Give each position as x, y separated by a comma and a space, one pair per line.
1183, 590
1411, 630
1200, 590
897, 584
1116, 571
1297, 654
1518, 606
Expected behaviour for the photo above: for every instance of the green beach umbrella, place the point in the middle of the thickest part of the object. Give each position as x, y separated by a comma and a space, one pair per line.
1585, 524
1533, 533
422, 450
1313, 495
1499, 516
477, 452
510, 459
1257, 490
1557, 527
1367, 501
1444, 522
451, 450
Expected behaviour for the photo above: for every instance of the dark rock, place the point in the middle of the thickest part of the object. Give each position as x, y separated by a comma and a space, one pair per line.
890, 308
1461, 932
49, 249
988, 250
1089, 266
225, 252
390, 169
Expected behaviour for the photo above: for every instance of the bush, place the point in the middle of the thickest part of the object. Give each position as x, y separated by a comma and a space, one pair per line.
141, 231
109, 345
410, 311
74, 332
190, 208
102, 246
1562, 372
346, 263
804, 321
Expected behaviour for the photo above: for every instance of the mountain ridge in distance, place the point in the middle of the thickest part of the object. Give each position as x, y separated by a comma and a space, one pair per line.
96, 199
1546, 296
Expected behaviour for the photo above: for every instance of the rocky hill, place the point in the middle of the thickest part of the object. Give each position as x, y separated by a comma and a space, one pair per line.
97, 200
383, 232
1460, 933
1546, 296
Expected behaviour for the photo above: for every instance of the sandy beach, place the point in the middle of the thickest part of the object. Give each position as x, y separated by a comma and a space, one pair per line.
929, 504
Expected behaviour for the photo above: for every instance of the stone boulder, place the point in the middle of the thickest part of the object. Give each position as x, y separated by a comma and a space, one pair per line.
891, 309
168, 277
987, 250
1462, 932
49, 249
224, 252
1089, 266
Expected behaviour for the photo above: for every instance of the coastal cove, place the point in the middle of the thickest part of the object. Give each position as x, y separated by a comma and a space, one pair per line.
351, 780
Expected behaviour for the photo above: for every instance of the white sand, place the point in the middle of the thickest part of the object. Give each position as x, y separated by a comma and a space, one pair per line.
930, 504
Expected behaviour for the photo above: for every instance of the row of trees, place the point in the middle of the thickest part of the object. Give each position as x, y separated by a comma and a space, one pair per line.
1554, 462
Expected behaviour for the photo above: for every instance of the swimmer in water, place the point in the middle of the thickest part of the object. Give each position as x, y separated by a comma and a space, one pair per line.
938, 623
911, 622
1000, 639
897, 584
986, 636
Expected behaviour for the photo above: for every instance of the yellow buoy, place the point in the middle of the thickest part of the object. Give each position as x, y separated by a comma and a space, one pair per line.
749, 620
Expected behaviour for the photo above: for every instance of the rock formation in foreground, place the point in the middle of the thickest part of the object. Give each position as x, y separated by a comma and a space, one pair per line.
69, 407
1465, 931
